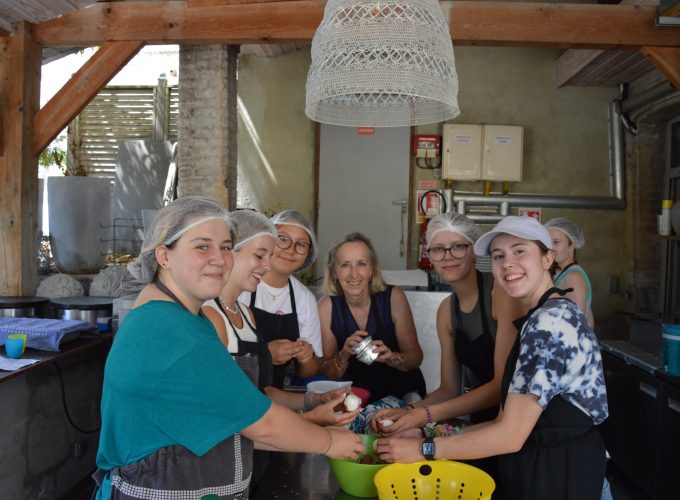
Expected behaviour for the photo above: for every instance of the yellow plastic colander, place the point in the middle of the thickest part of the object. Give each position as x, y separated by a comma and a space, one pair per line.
435, 480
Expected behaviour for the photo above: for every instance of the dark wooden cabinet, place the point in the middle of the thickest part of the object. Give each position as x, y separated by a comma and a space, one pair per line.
668, 486
642, 433
613, 429
641, 428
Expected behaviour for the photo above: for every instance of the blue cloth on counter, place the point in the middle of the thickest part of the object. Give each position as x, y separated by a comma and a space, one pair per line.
44, 334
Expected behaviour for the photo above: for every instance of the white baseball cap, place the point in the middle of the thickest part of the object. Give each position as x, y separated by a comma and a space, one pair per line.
527, 228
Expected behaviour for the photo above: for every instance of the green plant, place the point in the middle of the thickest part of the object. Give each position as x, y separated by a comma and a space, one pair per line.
54, 154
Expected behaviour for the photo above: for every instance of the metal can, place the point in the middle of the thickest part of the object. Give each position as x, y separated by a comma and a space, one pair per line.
364, 351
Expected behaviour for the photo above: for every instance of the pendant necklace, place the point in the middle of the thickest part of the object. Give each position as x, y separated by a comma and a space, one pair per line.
228, 309
275, 295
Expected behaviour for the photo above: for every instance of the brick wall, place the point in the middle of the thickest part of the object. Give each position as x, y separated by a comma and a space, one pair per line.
207, 127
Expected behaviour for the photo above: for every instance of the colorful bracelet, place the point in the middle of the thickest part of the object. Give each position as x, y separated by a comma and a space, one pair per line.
428, 413
441, 430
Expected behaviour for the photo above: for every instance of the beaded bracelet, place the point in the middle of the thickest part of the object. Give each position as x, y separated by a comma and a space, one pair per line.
441, 430
428, 413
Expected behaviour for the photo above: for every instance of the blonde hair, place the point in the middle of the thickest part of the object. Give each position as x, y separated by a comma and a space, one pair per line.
331, 285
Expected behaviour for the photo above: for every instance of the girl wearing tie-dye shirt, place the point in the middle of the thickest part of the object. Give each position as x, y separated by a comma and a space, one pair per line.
553, 392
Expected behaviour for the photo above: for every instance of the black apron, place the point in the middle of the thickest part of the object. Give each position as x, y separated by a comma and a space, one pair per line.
478, 354
254, 358
225, 470
379, 378
564, 456
275, 327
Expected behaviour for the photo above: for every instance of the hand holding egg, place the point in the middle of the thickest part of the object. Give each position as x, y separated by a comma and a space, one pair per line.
384, 424
352, 402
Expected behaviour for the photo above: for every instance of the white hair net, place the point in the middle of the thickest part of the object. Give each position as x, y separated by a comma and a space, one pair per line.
171, 222
454, 223
295, 218
248, 225
569, 228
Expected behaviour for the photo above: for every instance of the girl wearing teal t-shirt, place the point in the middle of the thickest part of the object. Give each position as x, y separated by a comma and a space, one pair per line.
178, 415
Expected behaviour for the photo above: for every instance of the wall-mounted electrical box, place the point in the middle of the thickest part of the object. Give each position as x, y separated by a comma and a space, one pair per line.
482, 152
462, 158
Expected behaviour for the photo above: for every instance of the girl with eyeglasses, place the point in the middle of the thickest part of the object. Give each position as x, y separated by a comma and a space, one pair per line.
285, 310
472, 340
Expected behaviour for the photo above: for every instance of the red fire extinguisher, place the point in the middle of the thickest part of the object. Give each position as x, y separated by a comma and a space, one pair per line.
424, 260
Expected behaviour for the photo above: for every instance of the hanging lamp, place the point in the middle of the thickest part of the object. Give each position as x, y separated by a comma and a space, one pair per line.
382, 63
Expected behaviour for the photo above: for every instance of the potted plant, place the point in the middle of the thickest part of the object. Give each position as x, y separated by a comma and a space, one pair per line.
79, 208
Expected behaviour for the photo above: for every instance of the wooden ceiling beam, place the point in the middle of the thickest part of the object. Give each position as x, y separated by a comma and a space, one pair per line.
666, 60
79, 90
472, 23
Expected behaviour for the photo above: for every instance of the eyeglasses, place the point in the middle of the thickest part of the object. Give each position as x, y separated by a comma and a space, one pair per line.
301, 247
457, 251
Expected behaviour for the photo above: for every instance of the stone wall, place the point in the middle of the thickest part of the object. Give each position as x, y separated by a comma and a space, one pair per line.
207, 128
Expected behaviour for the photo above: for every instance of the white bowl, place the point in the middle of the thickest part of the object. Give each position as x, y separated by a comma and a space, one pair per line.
321, 386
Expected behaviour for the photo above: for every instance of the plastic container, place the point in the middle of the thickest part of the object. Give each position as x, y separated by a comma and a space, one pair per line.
671, 349
432, 480
322, 386
356, 478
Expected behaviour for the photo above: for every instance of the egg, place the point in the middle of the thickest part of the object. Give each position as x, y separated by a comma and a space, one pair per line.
352, 402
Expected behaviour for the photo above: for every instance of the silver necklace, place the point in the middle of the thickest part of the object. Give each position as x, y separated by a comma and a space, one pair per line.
229, 309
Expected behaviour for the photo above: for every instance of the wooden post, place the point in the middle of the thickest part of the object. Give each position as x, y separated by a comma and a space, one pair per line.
20, 99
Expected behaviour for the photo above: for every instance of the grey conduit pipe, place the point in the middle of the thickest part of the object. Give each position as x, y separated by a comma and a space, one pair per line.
615, 201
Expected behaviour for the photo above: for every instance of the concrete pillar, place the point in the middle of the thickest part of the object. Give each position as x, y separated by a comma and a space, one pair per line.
207, 128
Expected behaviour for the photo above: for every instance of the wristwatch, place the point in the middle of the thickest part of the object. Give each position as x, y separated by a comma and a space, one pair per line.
428, 449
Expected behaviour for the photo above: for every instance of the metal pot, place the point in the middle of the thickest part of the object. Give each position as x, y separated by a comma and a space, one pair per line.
95, 310
23, 307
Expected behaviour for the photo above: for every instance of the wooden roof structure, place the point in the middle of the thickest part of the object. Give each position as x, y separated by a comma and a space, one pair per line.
120, 29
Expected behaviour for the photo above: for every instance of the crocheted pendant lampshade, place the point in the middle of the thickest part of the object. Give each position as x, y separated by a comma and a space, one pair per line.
382, 63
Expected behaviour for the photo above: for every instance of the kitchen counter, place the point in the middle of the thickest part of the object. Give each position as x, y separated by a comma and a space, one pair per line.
84, 342
635, 356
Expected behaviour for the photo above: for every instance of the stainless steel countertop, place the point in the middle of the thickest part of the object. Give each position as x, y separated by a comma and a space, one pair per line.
633, 355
